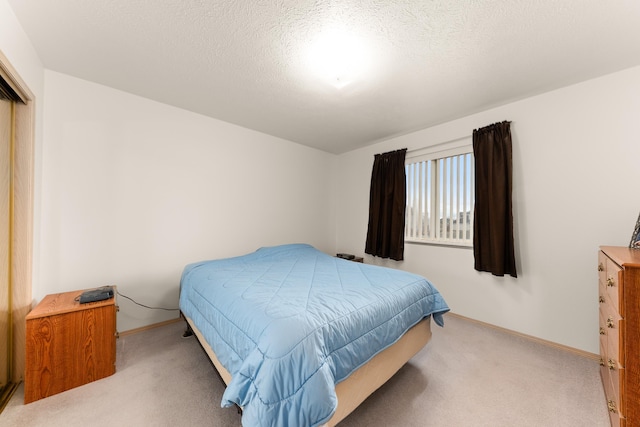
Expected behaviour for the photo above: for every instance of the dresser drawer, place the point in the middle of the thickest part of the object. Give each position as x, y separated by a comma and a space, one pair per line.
603, 295
616, 344
617, 378
613, 405
603, 334
615, 374
614, 286
602, 267
604, 370
611, 380
613, 326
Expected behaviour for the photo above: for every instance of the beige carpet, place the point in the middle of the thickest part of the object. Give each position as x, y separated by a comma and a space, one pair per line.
468, 375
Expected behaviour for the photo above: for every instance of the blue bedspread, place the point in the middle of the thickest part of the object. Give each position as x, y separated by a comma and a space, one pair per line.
289, 322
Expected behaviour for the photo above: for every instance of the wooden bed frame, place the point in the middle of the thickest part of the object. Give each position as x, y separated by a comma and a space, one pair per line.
365, 380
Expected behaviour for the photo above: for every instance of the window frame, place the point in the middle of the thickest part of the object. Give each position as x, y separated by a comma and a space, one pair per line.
438, 200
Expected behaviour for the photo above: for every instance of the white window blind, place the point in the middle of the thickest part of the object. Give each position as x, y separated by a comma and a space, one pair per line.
440, 194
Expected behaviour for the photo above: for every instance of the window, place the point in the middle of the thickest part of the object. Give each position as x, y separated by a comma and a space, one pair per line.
440, 194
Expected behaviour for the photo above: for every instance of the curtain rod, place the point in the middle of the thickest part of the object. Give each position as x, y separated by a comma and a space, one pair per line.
441, 143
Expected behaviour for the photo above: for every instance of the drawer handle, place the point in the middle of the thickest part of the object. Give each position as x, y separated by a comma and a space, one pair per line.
612, 406
602, 331
610, 323
601, 361
612, 364
600, 267
601, 299
610, 282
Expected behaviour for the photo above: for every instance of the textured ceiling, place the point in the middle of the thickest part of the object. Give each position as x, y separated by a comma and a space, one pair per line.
246, 62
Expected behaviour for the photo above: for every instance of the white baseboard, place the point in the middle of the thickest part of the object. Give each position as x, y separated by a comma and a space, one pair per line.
576, 351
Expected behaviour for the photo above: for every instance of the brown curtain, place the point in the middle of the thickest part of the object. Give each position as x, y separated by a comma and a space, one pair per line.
385, 235
493, 246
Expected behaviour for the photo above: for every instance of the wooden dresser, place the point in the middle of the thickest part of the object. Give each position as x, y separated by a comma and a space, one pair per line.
68, 344
619, 289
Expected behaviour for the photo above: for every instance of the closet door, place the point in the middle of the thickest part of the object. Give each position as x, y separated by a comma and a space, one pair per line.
5, 185
17, 120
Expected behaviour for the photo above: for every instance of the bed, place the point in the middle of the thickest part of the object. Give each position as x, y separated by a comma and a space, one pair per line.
301, 338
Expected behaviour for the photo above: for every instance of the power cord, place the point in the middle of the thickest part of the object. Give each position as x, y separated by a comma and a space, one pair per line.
146, 306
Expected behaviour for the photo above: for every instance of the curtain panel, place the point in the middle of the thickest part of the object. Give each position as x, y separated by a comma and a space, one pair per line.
387, 200
493, 242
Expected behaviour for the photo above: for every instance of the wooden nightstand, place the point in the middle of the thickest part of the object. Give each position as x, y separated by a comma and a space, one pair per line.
68, 344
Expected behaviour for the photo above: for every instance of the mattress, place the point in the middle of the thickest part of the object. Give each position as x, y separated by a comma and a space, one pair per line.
289, 323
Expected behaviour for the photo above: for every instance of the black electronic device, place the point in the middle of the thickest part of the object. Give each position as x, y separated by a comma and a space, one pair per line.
345, 256
98, 294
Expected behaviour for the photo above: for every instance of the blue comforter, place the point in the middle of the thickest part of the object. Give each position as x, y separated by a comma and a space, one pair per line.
290, 322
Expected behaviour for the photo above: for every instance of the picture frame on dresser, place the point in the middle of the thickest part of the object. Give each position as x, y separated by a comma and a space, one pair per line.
635, 237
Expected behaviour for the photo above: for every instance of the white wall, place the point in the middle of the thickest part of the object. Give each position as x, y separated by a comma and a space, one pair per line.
575, 161
127, 191
17, 47
133, 190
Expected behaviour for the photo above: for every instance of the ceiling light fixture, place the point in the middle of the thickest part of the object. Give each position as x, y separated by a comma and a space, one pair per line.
339, 57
